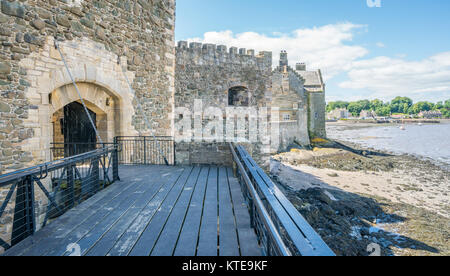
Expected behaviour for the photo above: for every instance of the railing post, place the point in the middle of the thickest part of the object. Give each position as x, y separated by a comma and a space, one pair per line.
95, 183
104, 155
115, 162
174, 153
145, 151
23, 224
70, 186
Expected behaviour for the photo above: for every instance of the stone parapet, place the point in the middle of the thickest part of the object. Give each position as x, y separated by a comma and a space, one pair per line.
198, 53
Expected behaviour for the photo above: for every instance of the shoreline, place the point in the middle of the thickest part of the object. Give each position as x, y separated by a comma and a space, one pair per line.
376, 187
343, 126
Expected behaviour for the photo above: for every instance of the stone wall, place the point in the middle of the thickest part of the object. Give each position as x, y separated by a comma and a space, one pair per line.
207, 72
289, 95
317, 114
95, 34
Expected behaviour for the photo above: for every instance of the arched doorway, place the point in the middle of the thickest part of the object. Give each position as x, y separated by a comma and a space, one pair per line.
238, 96
72, 131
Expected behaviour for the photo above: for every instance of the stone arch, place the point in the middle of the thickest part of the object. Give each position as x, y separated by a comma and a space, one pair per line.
239, 96
90, 63
99, 100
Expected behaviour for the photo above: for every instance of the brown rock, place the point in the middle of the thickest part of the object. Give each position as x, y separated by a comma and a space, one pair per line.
63, 20
7, 152
20, 50
137, 60
38, 24
5, 31
4, 68
100, 33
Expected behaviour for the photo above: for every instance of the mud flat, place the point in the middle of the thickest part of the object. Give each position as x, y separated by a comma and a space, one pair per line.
357, 198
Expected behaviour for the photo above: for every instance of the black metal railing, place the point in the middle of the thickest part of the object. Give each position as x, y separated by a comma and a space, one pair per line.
281, 229
146, 150
31, 198
65, 150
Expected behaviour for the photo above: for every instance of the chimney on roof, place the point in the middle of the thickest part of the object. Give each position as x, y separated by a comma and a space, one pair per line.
283, 59
300, 66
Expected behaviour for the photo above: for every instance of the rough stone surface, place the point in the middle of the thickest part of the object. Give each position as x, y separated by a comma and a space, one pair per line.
207, 72
94, 34
224, 79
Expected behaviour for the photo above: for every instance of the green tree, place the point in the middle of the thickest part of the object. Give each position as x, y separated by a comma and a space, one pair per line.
335, 105
439, 105
383, 111
447, 104
365, 104
401, 105
422, 106
355, 108
375, 104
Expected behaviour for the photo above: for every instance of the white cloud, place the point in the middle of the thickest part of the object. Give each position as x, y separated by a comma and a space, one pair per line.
321, 47
330, 48
387, 77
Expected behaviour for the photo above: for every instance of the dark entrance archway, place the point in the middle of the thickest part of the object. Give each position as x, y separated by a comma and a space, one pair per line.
79, 134
238, 96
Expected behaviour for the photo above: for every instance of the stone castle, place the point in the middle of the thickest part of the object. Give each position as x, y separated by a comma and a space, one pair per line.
235, 77
107, 42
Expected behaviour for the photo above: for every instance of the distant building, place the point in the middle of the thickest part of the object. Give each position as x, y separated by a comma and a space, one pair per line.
337, 114
434, 114
367, 114
398, 116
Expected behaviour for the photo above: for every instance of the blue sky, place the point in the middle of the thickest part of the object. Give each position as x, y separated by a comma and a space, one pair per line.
401, 48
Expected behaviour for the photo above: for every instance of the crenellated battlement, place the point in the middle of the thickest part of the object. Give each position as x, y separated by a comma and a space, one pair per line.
207, 53
291, 70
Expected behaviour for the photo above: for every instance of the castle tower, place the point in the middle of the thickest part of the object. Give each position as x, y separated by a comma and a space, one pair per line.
283, 59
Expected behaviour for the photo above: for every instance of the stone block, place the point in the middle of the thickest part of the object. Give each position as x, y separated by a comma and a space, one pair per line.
13, 8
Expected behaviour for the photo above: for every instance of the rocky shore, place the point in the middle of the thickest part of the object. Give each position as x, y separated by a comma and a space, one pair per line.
358, 199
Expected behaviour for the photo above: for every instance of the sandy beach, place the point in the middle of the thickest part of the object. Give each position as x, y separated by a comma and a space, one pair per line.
413, 181
355, 197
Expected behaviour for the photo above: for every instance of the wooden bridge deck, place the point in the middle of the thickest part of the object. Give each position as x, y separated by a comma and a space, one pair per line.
154, 210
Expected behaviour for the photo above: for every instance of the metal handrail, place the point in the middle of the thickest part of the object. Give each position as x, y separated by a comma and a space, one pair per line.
64, 183
288, 230
146, 150
5, 179
262, 211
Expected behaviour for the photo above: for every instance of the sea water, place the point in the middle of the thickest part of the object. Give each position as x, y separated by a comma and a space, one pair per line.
430, 141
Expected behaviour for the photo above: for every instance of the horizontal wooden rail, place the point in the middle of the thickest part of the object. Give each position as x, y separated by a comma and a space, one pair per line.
282, 221
274, 237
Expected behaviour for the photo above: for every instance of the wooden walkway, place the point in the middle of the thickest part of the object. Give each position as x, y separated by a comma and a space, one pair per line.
154, 211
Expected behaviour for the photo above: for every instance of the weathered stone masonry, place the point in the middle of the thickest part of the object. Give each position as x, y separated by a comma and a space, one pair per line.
95, 34
294, 98
207, 72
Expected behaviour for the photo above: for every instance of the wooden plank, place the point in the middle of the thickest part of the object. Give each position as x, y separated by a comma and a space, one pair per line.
105, 216
71, 218
53, 237
126, 242
65, 219
147, 240
228, 241
109, 238
165, 245
57, 246
248, 242
187, 241
208, 240
74, 234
